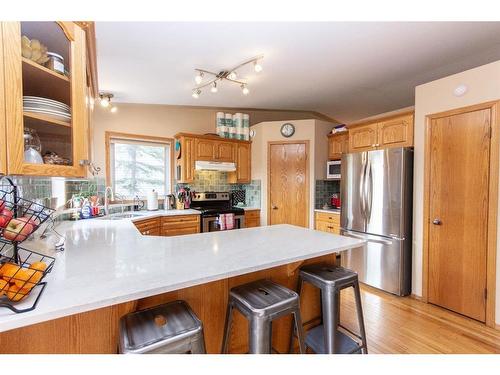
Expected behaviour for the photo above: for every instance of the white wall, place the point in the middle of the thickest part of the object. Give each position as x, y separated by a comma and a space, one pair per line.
314, 131
483, 85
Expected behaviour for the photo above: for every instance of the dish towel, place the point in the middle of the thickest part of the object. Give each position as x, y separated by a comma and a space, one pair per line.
229, 221
222, 222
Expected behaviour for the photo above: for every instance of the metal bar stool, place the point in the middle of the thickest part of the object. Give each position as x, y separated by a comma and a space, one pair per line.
261, 302
327, 338
171, 328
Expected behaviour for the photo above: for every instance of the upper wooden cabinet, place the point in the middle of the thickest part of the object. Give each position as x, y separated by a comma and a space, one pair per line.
338, 144
195, 147
395, 131
23, 76
224, 151
362, 138
3, 136
243, 174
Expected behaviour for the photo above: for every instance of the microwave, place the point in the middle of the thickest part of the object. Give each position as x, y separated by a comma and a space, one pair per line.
333, 170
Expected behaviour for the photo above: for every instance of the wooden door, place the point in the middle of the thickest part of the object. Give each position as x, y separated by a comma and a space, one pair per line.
397, 132
337, 145
288, 184
458, 212
204, 149
224, 152
23, 77
363, 138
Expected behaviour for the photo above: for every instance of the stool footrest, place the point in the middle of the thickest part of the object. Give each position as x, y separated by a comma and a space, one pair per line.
345, 344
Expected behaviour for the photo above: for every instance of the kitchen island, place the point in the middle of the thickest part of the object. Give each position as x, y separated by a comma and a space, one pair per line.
109, 269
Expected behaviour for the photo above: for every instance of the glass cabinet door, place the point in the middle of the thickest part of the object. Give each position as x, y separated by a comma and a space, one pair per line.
45, 97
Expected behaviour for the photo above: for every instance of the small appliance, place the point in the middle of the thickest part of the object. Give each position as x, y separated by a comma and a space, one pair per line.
333, 168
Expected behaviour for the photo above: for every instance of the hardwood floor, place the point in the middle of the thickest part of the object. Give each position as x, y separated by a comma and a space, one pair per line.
406, 325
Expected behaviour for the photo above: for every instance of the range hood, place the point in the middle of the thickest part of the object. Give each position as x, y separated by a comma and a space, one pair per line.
201, 165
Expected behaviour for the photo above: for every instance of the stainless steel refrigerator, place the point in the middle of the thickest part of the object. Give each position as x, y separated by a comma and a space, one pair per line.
376, 193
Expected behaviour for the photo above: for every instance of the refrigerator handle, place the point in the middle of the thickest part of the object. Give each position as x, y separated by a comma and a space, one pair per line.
363, 237
369, 193
362, 186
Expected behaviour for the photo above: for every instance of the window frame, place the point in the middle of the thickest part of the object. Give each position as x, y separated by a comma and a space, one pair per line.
138, 138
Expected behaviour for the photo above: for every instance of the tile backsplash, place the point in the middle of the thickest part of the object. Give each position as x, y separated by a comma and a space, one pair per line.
217, 181
324, 190
54, 191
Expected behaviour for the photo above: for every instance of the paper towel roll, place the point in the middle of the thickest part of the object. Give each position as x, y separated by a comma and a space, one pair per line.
220, 124
238, 125
152, 199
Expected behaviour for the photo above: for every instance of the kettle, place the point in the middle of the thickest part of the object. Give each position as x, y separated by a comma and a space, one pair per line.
169, 202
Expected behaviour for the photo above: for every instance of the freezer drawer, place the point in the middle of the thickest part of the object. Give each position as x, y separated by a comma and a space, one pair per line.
383, 263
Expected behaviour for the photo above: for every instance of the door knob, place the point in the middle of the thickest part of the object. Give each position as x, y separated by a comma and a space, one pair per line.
274, 207
436, 222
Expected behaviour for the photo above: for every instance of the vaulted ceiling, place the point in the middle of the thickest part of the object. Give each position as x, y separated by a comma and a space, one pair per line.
345, 70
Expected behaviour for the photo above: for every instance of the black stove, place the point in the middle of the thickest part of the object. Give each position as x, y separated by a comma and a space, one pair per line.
214, 203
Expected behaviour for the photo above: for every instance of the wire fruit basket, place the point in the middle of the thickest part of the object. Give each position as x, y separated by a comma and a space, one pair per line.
21, 270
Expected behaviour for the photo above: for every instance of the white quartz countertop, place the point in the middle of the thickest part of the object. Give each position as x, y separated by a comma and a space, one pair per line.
107, 262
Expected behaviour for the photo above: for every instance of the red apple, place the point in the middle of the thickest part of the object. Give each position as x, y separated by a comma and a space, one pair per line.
17, 230
28, 220
5, 216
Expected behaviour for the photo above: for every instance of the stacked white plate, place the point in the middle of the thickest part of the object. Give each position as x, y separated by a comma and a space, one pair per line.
48, 107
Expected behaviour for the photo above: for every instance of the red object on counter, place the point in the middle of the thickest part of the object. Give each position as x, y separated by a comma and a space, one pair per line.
335, 200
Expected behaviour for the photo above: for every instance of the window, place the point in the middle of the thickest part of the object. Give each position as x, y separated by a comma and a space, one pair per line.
137, 166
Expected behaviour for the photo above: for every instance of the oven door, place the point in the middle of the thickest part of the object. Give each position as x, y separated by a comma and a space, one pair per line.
211, 223
333, 170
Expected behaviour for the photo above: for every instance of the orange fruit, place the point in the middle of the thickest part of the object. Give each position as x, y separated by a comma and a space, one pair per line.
27, 278
39, 266
16, 294
4, 285
6, 266
10, 273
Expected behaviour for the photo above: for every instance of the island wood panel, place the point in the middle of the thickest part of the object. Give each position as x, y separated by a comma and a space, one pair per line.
97, 331
93, 332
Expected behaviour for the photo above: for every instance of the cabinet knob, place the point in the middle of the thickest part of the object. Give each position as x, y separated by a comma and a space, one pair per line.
274, 207
436, 222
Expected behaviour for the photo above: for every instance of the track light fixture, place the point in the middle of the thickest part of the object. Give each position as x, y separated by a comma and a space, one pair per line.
196, 94
105, 101
229, 75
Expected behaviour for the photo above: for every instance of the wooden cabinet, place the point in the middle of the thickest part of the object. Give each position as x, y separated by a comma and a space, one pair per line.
395, 131
194, 147
169, 225
180, 225
252, 218
327, 222
363, 137
149, 227
185, 162
204, 149
63, 135
3, 135
224, 151
338, 144
243, 173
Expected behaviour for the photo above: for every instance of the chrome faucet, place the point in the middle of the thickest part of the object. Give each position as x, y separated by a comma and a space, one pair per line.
106, 199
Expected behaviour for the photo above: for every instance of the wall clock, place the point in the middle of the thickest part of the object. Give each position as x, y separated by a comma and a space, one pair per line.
287, 130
